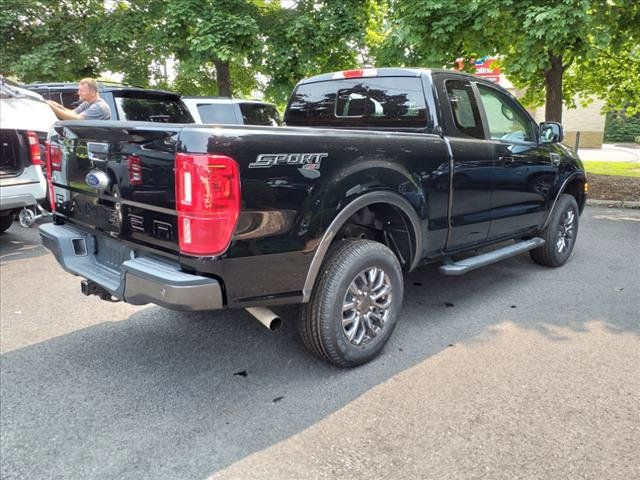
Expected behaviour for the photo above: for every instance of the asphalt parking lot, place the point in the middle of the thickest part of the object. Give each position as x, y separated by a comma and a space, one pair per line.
512, 371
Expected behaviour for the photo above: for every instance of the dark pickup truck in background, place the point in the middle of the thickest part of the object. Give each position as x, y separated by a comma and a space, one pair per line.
125, 101
376, 172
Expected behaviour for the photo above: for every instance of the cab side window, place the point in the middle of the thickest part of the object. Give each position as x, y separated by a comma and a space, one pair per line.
464, 109
506, 121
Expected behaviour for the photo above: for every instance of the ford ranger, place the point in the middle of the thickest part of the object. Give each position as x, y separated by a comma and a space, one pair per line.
376, 172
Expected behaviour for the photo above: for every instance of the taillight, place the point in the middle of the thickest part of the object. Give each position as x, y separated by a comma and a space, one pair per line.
357, 73
135, 170
207, 201
353, 73
34, 148
54, 157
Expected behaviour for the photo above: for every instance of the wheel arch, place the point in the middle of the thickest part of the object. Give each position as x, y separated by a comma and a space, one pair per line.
572, 185
382, 198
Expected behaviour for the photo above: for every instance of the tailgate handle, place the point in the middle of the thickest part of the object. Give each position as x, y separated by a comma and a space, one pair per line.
97, 151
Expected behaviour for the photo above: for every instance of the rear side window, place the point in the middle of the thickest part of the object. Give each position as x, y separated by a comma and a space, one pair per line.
70, 99
464, 108
217, 113
372, 102
259, 114
152, 108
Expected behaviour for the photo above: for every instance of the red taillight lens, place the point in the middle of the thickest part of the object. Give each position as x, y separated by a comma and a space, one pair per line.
34, 148
49, 158
353, 73
207, 201
135, 170
54, 157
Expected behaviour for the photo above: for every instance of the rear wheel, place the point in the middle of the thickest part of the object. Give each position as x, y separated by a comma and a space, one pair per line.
354, 305
559, 235
6, 221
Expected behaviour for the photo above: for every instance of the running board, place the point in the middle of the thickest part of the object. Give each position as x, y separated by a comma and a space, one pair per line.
463, 266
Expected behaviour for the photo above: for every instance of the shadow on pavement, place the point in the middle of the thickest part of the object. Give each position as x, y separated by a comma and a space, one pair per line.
163, 394
18, 243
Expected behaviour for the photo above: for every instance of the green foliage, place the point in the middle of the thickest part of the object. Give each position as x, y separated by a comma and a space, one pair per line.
315, 37
49, 40
619, 128
263, 45
580, 35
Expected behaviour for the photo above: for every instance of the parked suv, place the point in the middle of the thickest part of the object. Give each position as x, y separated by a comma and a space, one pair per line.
126, 102
232, 111
25, 120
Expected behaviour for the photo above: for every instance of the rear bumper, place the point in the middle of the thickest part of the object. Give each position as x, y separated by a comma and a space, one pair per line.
138, 280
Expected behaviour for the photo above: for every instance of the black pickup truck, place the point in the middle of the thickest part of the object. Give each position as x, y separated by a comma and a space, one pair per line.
377, 172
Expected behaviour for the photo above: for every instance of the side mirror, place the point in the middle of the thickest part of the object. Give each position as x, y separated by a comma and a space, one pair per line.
551, 132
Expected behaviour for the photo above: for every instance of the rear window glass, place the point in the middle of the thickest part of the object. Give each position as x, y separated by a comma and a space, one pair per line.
259, 114
152, 109
217, 113
379, 102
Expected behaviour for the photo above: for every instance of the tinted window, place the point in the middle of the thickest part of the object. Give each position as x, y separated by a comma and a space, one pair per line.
506, 120
380, 101
258, 114
464, 109
70, 99
49, 94
217, 113
152, 108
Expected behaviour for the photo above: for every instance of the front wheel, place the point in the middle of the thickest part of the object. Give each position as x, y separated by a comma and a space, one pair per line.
560, 234
354, 305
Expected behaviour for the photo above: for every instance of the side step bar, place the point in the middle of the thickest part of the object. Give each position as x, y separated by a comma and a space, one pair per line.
463, 266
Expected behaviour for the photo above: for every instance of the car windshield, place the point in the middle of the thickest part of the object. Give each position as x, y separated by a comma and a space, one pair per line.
152, 108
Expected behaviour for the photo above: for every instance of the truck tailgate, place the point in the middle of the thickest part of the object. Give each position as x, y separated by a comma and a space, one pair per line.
117, 178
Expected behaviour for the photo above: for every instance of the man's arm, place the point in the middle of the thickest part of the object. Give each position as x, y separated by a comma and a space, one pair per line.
64, 113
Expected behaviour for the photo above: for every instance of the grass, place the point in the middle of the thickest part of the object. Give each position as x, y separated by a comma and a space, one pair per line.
622, 169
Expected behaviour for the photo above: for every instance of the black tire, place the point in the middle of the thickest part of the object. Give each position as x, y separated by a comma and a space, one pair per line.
559, 235
6, 221
355, 272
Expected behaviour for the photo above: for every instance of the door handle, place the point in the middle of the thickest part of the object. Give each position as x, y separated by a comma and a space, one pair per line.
506, 161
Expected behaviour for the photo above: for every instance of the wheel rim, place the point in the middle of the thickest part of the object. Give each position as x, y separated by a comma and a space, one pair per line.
366, 306
566, 232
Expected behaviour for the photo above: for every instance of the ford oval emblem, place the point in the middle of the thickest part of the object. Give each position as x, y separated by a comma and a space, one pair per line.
97, 179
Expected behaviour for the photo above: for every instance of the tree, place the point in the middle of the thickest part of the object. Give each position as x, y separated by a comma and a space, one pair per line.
317, 36
537, 42
213, 38
46, 40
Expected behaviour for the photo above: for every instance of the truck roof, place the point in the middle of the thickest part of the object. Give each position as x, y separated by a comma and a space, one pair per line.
103, 86
379, 72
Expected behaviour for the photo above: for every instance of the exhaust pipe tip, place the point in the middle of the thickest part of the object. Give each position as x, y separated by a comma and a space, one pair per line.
266, 317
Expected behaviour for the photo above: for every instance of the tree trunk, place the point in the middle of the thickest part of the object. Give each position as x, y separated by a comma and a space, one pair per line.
223, 78
553, 89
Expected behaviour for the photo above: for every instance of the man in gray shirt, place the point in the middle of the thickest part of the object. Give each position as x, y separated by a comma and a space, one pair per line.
92, 107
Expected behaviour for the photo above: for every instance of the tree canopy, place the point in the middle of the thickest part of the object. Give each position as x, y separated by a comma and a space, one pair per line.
555, 51
539, 44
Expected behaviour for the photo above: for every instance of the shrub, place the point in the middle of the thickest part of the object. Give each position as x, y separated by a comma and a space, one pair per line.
620, 129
